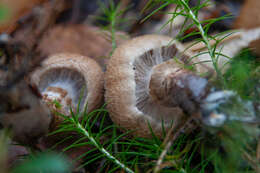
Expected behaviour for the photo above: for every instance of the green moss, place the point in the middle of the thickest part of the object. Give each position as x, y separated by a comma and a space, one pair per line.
242, 74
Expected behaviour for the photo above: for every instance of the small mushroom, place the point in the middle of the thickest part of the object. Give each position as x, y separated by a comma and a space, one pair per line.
147, 85
68, 79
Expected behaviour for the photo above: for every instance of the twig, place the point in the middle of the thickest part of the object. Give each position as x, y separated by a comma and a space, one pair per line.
103, 150
171, 136
253, 162
258, 150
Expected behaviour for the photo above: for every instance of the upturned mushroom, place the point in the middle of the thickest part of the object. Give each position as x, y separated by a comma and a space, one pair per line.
68, 79
146, 83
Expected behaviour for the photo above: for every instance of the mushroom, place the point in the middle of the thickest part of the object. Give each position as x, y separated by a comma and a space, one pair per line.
146, 86
68, 79
62, 38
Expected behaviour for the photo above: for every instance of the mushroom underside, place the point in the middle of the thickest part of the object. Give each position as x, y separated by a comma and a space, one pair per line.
65, 85
130, 85
143, 66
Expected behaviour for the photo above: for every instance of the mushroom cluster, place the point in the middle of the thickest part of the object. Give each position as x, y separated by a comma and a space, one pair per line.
151, 83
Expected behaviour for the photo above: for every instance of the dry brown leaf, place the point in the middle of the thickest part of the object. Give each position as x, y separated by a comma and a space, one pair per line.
249, 18
15, 10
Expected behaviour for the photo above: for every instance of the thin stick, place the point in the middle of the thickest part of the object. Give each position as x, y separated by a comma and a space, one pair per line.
253, 162
171, 136
258, 150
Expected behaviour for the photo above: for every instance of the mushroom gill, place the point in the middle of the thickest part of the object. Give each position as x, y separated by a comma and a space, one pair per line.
70, 79
144, 67
64, 85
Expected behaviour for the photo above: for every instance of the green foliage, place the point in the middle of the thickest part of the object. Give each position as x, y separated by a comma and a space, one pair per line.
191, 15
124, 152
235, 141
239, 139
45, 163
112, 16
83, 127
57, 104
242, 75
3, 150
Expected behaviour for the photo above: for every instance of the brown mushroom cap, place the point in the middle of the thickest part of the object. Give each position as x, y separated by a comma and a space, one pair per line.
63, 38
127, 84
69, 78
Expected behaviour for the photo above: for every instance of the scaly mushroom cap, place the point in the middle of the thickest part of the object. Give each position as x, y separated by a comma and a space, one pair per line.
68, 79
130, 91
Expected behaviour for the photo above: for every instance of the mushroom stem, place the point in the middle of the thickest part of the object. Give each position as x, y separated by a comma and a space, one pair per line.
173, 86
